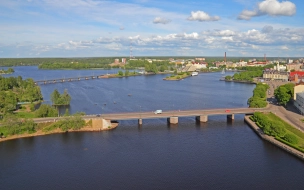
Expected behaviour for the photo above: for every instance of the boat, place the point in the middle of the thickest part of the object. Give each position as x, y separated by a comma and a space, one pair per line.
223, 71
194, 74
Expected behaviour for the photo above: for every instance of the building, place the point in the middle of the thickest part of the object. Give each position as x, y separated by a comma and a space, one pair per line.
123, 60
200, 59
279, 67
299, 87
275, 75
116, 61
296, 76
293, 66
299, 97
289, 61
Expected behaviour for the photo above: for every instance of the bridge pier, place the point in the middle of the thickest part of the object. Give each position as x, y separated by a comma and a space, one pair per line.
230, 117
139, 121
173, 120
202, 118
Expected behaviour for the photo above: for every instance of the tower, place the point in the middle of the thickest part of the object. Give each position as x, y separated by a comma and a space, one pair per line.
225, 58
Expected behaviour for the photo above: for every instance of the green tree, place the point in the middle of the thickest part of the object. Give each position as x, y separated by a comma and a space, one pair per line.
282, 95
228, 77
66, 113
120, 73
55, 96
46, 111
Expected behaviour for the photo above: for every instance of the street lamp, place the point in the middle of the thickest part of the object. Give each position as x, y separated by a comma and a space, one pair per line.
140, 112
102, 108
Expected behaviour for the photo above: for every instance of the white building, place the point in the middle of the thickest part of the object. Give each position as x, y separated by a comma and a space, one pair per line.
279, 67
290, 61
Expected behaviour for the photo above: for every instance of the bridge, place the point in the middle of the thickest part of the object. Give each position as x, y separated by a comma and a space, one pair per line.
171, 116
68, 79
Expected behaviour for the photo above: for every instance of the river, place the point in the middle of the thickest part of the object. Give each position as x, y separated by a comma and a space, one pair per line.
190, 155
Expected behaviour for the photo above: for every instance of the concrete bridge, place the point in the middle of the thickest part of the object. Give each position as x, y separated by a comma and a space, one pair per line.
171, 116
69, 79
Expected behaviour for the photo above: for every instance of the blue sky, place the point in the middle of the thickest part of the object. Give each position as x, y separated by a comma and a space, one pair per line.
86, 28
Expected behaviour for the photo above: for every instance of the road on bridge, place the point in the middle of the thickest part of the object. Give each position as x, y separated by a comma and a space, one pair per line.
165, 114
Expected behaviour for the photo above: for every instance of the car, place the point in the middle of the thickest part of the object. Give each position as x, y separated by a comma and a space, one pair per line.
227, 110
158, 111
98, 115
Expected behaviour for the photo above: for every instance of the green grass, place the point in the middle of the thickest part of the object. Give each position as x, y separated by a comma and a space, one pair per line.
179, 76
289, 129
4, 130
25, 114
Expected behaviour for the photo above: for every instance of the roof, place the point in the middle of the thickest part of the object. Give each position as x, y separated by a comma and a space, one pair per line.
299, 73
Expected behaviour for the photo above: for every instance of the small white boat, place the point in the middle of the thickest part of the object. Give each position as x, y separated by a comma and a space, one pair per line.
194, 74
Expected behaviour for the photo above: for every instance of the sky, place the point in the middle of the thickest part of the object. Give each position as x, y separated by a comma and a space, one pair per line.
108, 28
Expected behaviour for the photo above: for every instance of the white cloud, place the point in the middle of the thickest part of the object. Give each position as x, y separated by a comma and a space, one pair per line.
202, 16
159, 20
284, 48
270, 7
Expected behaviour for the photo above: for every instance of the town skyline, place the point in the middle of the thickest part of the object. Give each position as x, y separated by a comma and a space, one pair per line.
90, 28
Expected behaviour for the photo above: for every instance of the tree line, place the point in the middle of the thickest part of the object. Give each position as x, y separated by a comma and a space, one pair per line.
14, 90
274, 126
248, 73
258, 100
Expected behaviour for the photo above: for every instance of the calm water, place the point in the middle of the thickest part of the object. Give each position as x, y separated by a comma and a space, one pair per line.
215, 155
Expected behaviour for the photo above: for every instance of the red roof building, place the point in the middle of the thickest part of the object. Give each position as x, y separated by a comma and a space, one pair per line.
295, 76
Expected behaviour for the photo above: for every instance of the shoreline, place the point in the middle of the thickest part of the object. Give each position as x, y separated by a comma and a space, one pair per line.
238, 81
272, 140
57, 131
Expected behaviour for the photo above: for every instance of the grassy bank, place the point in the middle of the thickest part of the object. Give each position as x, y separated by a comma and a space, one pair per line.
274, 126
179, 76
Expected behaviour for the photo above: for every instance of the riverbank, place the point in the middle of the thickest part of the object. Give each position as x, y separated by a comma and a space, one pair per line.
56, 131
238, 81
272, 140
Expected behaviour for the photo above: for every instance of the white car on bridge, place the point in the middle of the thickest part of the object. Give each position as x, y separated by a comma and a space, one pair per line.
158, 111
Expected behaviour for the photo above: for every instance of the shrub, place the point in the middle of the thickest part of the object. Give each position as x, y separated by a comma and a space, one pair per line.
291, 138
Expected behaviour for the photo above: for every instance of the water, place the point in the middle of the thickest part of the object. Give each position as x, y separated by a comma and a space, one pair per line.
215, 155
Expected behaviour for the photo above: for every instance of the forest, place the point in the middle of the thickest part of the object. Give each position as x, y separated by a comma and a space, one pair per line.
14, 90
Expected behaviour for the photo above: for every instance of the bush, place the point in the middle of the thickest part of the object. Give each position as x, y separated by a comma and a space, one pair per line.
291, 138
